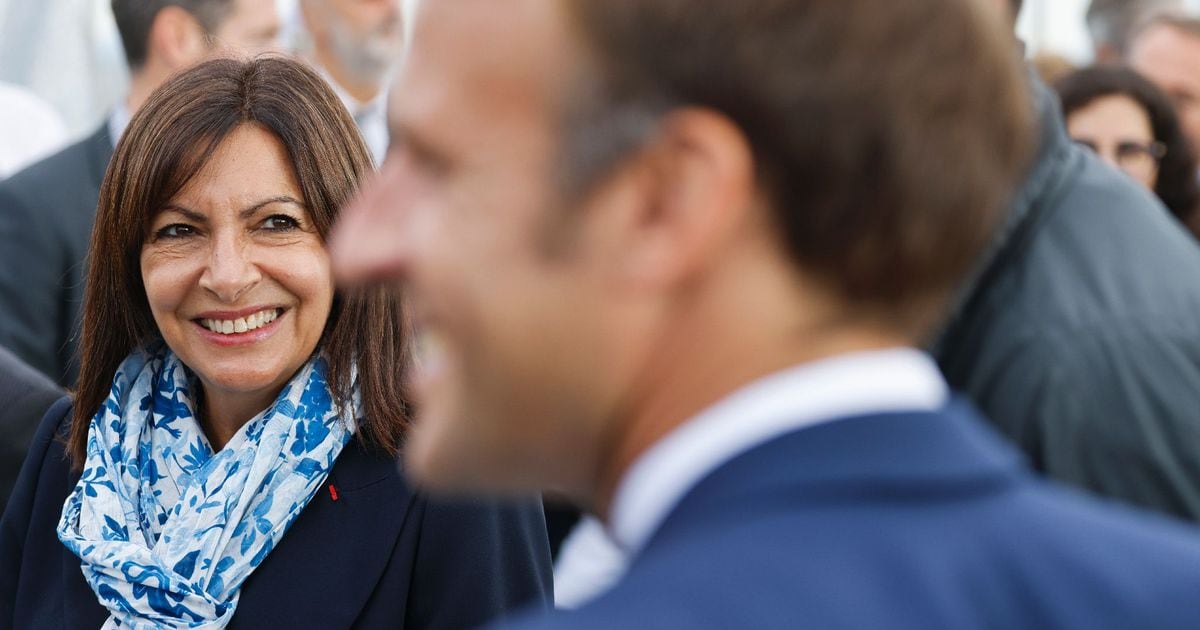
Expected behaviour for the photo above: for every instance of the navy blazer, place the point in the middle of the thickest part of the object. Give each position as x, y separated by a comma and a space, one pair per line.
25, 395
379, 556
46, 216
917, 520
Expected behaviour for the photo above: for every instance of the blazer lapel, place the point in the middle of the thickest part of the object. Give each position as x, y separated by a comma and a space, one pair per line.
326, 566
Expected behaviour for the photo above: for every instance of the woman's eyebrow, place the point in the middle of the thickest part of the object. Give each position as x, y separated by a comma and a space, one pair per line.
249, 212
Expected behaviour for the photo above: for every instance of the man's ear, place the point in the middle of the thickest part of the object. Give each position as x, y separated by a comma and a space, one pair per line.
695, 194
177, 40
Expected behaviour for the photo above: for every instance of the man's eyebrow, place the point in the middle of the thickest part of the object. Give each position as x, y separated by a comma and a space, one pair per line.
249, 212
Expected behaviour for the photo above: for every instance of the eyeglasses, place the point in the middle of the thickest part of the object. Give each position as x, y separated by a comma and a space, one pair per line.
1135, 158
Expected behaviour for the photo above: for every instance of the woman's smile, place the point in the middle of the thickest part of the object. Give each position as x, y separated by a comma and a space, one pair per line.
233, 329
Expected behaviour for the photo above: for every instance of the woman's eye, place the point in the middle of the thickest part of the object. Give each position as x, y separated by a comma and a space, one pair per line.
280, 223
175, 230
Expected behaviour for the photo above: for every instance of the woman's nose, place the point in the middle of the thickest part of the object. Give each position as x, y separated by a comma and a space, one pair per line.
230, 271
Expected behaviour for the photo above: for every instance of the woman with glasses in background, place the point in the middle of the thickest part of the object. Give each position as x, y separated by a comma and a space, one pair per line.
1132, 125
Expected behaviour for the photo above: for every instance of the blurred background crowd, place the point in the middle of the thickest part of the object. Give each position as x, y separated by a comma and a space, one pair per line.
73, 72
63, 69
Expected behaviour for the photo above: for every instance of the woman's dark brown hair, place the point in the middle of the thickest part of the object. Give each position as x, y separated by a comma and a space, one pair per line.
1176, 186
168, 141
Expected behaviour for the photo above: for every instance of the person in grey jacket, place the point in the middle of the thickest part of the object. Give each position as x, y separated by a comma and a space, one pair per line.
25, 395
1079, 336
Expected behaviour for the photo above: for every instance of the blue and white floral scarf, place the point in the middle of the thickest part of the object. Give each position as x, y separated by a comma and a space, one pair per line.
167, 530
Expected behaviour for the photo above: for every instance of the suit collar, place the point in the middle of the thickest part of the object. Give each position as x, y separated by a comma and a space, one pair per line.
923, 456
804, 395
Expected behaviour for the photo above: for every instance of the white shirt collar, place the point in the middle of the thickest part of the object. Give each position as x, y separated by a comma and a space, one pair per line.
802, 396
371, 116
117, 122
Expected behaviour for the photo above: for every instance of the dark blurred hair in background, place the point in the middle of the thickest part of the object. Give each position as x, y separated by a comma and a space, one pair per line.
1176, 185
1051, 67
135, 17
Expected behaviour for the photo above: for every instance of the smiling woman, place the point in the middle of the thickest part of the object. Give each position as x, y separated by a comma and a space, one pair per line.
238, 280
236, 412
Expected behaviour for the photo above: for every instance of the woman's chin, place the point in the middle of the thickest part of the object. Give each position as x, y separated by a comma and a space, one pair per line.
240, 382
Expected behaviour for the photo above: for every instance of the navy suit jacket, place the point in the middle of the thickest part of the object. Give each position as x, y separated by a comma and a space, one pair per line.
917, 520
25, 395
380, 556
46, 216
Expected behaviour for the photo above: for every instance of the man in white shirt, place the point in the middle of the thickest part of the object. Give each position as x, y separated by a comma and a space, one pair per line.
356, 44
670, 258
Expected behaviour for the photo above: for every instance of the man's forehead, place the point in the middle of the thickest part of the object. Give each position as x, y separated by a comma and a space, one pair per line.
506, 51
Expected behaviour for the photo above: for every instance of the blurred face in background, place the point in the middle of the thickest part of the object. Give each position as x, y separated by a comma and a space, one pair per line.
366, 36
1118, 129
1171, 59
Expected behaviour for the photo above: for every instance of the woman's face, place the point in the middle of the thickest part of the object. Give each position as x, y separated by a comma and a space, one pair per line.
236, 273
1119, 131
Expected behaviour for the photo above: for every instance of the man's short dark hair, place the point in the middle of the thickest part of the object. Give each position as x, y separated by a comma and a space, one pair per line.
135, 17
884, 157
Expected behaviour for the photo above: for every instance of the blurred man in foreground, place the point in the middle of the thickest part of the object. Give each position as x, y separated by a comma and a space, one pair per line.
46, 210
356, 45
648, 273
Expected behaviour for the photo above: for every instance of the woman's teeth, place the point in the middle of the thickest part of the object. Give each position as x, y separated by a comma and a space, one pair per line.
241, 324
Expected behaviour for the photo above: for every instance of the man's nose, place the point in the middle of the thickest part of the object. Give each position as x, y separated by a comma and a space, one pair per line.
370, 241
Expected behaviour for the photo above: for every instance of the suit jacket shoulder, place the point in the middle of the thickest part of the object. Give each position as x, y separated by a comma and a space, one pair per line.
25, 395
46, 216
367, 552
899, 521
